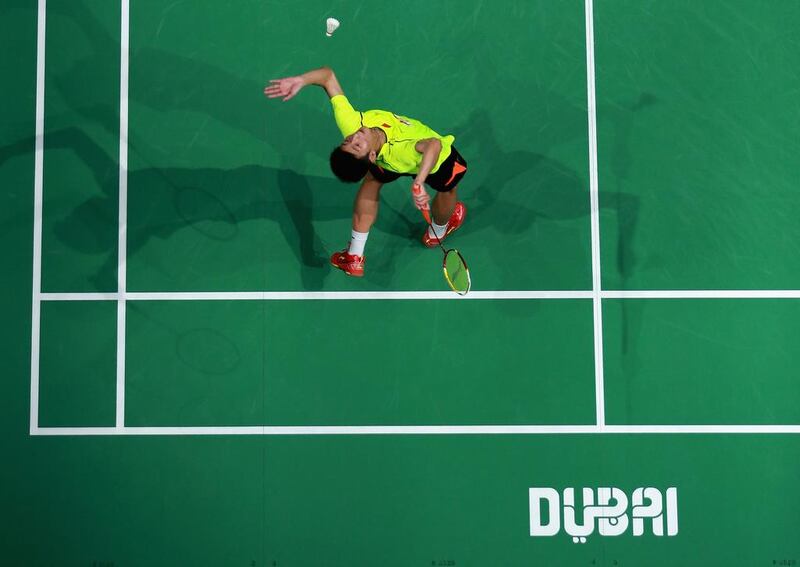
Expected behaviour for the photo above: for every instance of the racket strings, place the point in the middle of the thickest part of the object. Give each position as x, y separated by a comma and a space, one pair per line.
456, 272
457, 276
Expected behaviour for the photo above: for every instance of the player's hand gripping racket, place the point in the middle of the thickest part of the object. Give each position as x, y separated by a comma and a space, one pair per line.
456, 272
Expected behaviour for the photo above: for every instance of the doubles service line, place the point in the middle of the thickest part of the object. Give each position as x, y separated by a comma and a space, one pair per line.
594, 203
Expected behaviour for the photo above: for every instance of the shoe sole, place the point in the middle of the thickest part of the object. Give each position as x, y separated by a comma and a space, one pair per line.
361, 275
434, 242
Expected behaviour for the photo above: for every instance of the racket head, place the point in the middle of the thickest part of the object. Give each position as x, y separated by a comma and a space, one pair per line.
456, 272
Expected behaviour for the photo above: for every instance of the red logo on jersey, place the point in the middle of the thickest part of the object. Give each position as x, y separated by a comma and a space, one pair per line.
385, 125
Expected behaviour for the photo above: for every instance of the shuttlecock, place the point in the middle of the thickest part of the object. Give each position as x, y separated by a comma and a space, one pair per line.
331, 25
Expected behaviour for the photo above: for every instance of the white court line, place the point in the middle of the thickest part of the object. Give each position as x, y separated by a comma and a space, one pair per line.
38, 175
595, 294
313, 295
79, 296
594, 202
704, 294
420, 295
123, 209
424, 430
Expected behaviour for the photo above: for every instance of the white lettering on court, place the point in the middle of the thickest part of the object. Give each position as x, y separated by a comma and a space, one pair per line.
604, 511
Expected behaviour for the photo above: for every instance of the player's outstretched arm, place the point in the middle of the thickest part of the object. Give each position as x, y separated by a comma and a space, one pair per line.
288, 87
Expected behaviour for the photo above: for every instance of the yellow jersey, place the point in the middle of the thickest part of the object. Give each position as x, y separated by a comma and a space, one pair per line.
398, 154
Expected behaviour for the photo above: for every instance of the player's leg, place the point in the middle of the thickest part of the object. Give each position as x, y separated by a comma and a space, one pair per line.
365, 211
365, 204
443, 205
448, 211
448, 215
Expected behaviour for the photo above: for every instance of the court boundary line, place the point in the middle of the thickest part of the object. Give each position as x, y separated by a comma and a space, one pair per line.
122, 242
594, 207
279, 430
122, 296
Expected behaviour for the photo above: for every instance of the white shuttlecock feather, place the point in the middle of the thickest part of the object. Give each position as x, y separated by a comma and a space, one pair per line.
331, 25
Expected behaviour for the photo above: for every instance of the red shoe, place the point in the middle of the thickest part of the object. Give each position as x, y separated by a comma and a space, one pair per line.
350, 264
456, 219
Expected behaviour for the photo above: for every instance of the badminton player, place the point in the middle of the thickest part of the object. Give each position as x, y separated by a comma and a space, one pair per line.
379, 147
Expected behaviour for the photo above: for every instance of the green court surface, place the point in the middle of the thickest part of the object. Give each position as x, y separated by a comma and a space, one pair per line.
189, 382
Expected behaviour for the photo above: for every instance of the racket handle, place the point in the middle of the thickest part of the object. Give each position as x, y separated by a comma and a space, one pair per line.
421, 200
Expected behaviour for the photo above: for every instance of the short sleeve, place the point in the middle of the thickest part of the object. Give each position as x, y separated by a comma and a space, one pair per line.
347, 118
404, 157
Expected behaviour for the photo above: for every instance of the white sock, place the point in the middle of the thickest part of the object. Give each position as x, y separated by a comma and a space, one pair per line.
438, 230
357, 242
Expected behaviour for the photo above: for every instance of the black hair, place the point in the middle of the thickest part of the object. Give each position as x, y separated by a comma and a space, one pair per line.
347, 167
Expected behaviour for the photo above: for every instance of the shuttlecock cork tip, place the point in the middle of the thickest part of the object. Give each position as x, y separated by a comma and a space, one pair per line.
331, 24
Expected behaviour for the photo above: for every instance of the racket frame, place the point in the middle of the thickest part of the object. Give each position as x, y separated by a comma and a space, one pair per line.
427, 217
447, 277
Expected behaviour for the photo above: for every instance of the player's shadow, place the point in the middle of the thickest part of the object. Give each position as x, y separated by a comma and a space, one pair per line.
167, 82
518, 188
559, 192
512, 188
215, 203
621, 117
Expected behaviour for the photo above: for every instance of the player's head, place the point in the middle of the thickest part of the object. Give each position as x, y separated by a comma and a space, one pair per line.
347, 167
351, 159
361, 144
